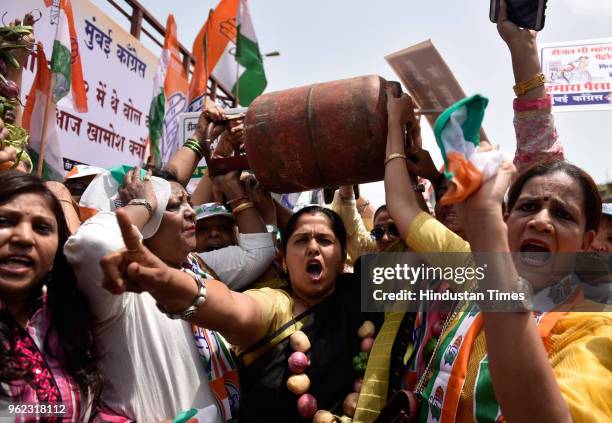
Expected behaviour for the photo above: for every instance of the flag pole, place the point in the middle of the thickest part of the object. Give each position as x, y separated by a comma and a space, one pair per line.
236, 55
43, 141
208, 22
43, 136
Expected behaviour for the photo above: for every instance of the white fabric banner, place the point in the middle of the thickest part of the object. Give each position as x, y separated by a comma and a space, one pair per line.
118, 72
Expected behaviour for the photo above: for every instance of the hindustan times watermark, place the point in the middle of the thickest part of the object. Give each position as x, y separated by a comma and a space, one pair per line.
494, 281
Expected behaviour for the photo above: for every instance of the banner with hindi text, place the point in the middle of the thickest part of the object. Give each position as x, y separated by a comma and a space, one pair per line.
118, 72
579, 74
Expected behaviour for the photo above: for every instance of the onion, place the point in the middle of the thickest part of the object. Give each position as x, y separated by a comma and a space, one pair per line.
350, 404
366, 330
307, 406
357, 384
323, 416
9, 89
298, 362
298, 384
366, 344
299, 341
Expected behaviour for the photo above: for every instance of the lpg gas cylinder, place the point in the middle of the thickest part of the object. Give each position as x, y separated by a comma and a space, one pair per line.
321, 135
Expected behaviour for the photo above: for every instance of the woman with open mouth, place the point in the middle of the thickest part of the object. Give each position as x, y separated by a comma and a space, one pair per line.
550, 365
321, 309
46, 330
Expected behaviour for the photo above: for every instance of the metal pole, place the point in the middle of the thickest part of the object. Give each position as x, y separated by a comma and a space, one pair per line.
136, 21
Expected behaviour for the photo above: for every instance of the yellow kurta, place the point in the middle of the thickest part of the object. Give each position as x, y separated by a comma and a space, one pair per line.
579, 345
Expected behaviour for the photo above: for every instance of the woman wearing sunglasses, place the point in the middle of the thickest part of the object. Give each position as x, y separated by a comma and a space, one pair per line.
385, 232
359, 239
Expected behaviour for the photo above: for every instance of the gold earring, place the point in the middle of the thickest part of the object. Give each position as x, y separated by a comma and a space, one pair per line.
284, 267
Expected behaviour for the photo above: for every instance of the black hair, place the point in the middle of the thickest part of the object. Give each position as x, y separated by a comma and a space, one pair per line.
378, 211
592, 200
71, 319
336, 224
167, 174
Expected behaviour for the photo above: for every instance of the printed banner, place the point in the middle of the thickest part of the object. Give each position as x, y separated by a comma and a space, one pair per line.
579, 74
118, 72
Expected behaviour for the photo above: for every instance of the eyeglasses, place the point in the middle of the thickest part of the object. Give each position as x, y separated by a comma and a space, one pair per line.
379, 231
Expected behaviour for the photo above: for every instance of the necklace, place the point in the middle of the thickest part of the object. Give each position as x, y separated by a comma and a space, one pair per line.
426, 373
299, 383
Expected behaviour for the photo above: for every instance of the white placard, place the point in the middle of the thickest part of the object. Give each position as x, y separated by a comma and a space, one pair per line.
579, 74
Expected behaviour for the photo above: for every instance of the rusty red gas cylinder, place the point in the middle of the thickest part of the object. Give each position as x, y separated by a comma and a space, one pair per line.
321, 135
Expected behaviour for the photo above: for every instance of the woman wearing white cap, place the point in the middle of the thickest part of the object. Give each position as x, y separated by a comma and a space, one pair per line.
154, 366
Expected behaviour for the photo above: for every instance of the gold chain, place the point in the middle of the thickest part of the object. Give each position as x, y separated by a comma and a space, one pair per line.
455, 310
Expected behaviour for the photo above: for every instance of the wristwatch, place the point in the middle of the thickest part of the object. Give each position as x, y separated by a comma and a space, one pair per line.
525, 303
141, 202
197, 302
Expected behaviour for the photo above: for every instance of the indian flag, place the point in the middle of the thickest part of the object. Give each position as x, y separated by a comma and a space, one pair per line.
457, 134
40, 121
226, 48
66, 66
169, 98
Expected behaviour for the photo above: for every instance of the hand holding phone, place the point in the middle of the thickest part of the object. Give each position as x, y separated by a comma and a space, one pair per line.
529, 14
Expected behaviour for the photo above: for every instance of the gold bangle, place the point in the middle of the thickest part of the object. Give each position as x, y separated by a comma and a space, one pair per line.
395, 156
243, 207
237, 200
523, 87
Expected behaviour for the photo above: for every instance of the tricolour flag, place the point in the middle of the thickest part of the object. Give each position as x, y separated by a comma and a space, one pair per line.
39, 108
65, 60
457, 133
226, 48
169, 98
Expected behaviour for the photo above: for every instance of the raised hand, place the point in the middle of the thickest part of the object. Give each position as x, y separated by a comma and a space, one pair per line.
230, 139
236, 132
136, 187
399, 109
8, 156
133, 268
211, 113
421, 164
512, 34
488, 199
230, 184
25, 40
262, 199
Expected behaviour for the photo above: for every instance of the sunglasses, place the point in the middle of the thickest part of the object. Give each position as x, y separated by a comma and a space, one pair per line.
379, 231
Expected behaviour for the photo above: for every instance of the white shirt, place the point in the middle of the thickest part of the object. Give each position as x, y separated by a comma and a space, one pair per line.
238, 266
150, 362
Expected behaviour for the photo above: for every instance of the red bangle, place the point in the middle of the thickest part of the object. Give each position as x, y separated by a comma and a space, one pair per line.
535, 104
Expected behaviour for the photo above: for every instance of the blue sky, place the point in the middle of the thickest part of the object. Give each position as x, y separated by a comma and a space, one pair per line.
334, 39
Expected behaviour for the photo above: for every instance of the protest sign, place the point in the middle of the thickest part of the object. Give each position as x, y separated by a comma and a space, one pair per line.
428, 79
579, 74
118, 72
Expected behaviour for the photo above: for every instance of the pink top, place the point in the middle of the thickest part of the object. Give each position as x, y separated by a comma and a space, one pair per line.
536, 136
46, 380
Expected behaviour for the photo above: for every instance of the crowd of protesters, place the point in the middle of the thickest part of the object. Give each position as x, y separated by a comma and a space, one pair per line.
139, 301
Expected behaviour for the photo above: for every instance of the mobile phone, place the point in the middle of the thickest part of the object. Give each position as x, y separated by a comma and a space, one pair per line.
524, 13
